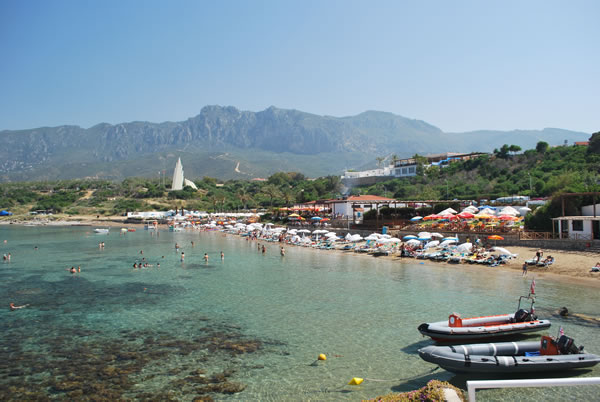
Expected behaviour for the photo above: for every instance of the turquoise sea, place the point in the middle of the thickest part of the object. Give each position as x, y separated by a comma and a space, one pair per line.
248, 327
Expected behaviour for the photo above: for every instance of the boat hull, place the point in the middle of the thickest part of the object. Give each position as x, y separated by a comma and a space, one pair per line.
481, 328
503, 357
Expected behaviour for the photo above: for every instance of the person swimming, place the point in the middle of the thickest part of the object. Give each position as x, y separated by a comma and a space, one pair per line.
13, 307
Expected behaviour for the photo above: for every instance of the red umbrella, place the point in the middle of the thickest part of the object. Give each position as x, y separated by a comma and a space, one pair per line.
465, 215
507, 218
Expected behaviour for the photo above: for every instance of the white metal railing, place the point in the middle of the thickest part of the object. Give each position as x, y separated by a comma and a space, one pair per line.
472, 386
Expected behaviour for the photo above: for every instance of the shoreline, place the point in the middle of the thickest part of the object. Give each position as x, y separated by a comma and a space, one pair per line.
574, 266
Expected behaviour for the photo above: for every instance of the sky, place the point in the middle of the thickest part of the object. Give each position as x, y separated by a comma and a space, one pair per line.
459, 65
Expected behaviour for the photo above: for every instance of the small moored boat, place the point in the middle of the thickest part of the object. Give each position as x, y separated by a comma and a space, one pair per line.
458, 329
101, 231
511, 357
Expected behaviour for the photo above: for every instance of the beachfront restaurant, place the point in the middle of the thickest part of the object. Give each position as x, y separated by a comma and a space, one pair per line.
355, 206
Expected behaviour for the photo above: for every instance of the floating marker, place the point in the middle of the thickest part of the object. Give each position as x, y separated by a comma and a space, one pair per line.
356, 381
322, 357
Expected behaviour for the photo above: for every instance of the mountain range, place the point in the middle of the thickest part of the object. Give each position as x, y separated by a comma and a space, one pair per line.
226, 143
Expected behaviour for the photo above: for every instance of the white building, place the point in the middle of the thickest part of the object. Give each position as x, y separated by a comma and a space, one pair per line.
585, 227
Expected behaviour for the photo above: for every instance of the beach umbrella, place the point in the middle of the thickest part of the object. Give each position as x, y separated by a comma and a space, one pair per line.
502, 251
355, 238
432, 244
320, 231
394, 240
465, 248
454, 239
316, 218
437, 235
416, 218
330, 234
409, 237
495, 237
413, 242
507, 218
324, 219
423, 234
524, 210
488, 211
372, 236
465, 215
447, 243
509, 211
447, 211
471, 209
482, 215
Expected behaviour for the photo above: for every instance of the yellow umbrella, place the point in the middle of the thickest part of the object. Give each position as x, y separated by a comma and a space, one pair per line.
293, 216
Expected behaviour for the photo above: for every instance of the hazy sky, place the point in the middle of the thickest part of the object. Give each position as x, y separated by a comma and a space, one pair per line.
460, 65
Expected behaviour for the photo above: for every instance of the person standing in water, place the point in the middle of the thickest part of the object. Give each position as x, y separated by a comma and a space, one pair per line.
282, 251
182, 256
205, 257
222, 255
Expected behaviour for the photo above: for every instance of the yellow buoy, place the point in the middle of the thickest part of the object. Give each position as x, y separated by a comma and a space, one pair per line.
356, 381
322, 356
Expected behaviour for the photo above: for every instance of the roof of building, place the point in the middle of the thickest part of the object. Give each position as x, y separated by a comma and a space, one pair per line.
577, 218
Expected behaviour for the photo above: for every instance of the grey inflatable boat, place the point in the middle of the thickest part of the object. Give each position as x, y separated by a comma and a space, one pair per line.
511, 357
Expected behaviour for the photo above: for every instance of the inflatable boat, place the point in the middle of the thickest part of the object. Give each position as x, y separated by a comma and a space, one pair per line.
511, 357
458, 329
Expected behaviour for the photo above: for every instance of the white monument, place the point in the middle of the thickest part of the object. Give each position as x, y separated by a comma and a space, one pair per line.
178, 180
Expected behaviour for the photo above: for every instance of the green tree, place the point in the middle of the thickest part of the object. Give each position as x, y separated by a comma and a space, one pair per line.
380, 160
594, 146
272, 192
541, 147
514, 149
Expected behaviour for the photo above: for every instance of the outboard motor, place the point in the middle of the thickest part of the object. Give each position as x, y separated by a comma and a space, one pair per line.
522, 315
567, 346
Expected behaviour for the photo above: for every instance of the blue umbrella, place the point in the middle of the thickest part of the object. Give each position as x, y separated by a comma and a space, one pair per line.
409, 237
316, 218
450, 238
416, 218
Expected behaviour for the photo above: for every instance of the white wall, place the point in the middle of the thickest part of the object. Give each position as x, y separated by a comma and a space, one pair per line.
588, 210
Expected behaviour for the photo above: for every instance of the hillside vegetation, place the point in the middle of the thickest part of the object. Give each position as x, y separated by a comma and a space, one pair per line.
541, 172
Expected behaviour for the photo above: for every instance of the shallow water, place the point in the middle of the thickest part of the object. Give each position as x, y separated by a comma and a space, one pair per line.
252, 322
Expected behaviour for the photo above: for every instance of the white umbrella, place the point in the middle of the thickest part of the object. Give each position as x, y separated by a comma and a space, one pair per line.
472, 209
502, 251
446, 243
437, 235
304, 231
320, 231
413, 242
292, 231
355, 238
524, 210
487, 211
447, 211
509, 211
423, 235
432, 244
465, 248
330, 234
372, 236
394, 240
